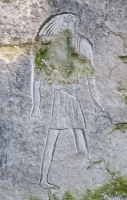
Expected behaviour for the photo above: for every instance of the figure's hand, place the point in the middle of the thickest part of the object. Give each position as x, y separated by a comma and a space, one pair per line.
36, 113
103, 122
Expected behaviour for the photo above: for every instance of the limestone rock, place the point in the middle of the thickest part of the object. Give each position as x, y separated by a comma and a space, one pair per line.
78, 154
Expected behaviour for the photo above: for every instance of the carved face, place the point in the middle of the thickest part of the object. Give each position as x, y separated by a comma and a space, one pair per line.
58, 23
68, 21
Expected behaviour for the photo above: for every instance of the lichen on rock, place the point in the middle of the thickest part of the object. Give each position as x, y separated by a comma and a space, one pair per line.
121, 126
11, 1
123, 93
58, 61
9, 52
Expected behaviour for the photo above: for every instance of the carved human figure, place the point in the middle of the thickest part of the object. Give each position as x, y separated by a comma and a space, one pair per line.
61, 56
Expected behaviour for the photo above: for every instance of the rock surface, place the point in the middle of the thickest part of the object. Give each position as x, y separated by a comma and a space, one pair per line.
22, 137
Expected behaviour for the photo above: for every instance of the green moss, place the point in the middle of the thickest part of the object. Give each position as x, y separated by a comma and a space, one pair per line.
53, 197
116, 187
26, 46
121, 126
123, 58
9, 52
6, 1
88, 70
92, 195
59, 61
123, 93
68, 196
11, 1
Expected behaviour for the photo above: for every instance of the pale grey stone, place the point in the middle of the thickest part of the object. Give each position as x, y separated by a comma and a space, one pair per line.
23, 138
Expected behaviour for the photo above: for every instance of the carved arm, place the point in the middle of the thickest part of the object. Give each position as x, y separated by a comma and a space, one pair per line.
36, 100
94, 94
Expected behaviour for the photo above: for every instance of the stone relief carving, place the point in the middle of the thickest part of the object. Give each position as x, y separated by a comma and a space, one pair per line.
61, 57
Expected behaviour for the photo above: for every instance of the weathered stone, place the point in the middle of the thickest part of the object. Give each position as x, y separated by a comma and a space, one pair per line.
101, 35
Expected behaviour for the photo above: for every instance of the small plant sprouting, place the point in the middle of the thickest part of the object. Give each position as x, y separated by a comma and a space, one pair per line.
123, 58
97, 162
121, 126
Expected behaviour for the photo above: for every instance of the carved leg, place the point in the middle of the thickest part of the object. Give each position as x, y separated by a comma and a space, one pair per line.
48, 157
81, 141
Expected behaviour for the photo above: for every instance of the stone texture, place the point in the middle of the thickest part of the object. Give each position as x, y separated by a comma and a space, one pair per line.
22, 137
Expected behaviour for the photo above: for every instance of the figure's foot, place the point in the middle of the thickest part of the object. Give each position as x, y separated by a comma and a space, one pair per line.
47, 185
88, 156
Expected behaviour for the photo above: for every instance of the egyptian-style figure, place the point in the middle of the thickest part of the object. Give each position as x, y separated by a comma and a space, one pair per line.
61, 57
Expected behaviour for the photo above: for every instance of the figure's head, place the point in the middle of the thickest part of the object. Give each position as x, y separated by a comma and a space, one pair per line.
59, 22
68, 21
